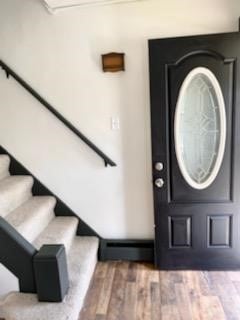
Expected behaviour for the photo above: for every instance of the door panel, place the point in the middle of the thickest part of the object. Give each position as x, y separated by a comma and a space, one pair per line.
220, 231
195, 228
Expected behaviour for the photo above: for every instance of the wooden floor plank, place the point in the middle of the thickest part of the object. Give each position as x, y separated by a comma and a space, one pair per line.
136, 291
183, 302
90, 306
115, 308
106, 291
130, 301
132, 272
155, 298
216, 310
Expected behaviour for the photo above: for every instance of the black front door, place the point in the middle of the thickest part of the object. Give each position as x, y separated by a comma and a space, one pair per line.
195, 105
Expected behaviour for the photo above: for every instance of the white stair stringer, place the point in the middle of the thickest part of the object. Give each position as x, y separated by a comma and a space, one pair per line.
82, 259
4, 166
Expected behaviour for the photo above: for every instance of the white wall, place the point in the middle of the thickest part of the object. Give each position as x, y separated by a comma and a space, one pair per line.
60, 57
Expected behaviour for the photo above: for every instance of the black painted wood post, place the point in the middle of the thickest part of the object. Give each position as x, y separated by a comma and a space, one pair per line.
50, 266
16, 254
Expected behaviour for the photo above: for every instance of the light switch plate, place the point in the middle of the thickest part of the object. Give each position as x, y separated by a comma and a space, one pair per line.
115, 123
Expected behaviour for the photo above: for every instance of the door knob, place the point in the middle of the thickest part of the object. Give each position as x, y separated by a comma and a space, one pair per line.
159, 166
159, 183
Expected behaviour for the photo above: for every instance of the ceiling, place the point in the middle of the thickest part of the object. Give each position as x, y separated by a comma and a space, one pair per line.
56, 5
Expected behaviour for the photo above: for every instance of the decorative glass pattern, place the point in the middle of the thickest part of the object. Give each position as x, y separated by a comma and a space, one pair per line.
200, 128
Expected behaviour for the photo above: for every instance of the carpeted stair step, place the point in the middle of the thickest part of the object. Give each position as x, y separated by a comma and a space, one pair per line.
4, 166
14, 191
61, 230
82, 259
33, 216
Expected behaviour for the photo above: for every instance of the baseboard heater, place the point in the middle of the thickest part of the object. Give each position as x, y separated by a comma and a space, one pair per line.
129, 250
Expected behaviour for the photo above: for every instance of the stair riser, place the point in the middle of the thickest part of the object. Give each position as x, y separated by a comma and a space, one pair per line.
12, 199
34, 227
61, 230
33, 216
71, 237
4, 166
4, 174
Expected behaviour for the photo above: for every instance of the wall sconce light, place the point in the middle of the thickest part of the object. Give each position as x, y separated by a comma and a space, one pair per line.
113, 62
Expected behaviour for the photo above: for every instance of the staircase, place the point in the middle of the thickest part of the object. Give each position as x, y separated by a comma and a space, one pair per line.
34, 218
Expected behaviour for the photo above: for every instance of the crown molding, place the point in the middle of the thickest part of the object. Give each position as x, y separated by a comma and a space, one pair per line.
54, 6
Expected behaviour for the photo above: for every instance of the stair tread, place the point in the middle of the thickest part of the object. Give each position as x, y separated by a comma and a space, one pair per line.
60, 230
33, 216
81, 264
4, 165
14, 191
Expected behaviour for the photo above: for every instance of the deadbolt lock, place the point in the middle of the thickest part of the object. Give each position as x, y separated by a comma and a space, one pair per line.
159, 183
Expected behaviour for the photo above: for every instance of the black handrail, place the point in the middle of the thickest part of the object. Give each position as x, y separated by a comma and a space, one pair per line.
16, 254
10, 72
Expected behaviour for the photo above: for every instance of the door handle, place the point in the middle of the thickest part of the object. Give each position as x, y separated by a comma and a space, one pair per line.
159, 166
159, 183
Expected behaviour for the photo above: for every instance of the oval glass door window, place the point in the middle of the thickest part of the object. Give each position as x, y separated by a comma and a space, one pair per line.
200, 128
